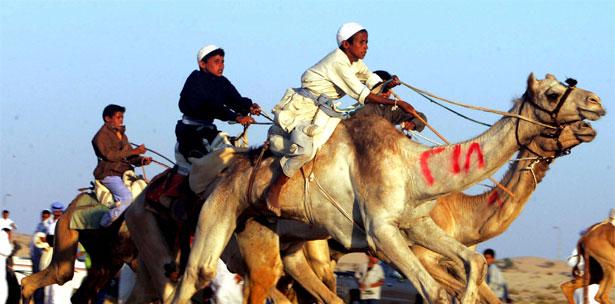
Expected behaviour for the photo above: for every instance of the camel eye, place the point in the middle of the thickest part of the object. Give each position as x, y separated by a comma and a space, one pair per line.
552, 96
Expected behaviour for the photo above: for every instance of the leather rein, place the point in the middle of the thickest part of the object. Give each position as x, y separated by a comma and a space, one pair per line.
559, 127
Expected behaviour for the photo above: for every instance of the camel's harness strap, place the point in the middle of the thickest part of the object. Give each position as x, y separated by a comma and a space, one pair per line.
311, 177
571, 83
253, 172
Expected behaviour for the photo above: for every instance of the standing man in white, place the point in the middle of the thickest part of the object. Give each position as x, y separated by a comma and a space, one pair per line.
6, 247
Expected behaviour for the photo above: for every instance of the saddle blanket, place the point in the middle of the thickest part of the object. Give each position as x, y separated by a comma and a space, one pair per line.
87, 213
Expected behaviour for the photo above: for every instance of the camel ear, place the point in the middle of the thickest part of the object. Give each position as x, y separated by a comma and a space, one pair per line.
550, 76
532, 84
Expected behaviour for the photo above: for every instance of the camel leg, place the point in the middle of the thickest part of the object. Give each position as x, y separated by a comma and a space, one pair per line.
390, 244
454, 286
605, 285
298, 267
98, 276
260, 248
319, 257
153, 249
278, 297
62, 265
427, 234
569, 287
143, 291
210, 240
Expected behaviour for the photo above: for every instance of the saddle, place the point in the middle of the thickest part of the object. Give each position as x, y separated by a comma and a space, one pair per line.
135, 183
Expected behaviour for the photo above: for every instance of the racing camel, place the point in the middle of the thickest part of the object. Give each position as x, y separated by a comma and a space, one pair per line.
389, 185
597, 247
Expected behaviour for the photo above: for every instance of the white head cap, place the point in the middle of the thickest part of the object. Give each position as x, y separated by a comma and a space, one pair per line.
204, 51
347, 30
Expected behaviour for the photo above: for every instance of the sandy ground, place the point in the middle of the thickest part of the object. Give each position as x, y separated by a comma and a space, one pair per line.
530, 279
537, 280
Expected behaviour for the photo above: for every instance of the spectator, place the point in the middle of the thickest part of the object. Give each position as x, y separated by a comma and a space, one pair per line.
227, 286
370, 281
6, 221
6, 247
36, 249
495, 279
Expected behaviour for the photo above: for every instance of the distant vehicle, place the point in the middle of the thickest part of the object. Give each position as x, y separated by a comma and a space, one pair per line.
396, 288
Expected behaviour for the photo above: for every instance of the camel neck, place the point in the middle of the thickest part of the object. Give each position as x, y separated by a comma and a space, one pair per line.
492, 212
455, 167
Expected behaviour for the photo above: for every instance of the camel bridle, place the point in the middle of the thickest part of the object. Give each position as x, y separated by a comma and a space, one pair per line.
559, 127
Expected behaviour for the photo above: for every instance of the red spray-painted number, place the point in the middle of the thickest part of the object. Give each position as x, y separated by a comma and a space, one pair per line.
474, 148
425, 167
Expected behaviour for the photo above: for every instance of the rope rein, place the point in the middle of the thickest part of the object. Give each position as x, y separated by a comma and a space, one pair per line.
423, 92
493, 180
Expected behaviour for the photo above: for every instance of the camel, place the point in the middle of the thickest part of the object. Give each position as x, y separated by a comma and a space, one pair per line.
109, 248
389, 183
67, 238
483, 216
596, 245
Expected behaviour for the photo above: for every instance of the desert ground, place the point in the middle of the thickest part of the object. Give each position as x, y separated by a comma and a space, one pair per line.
531, 280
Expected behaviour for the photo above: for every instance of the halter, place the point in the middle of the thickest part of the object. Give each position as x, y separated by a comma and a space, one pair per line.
571, 84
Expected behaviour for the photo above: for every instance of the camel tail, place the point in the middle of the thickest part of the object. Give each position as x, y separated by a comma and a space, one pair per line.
576, 272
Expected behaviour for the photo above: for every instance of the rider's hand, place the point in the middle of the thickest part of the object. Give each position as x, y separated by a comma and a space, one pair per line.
139, 150
405, 106
146, 161
244, 120
255, 109
408, 125
394, 82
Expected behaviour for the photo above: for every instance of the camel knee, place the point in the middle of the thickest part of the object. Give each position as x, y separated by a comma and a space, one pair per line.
64, 276
325, 274
478, 262
200, 276
265, 277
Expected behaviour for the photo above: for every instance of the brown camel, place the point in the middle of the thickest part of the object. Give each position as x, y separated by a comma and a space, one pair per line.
596, 245
389, 184
109, 248
472, 219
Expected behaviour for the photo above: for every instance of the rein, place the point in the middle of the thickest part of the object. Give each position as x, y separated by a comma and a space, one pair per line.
571, 83
423, 92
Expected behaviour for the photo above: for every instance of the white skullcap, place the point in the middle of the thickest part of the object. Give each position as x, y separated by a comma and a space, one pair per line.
347, 30
204, 51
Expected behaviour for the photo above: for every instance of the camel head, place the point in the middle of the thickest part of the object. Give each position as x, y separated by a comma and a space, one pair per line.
559, 103
571, 135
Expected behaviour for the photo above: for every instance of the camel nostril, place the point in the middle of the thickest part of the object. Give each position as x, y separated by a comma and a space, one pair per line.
593, 99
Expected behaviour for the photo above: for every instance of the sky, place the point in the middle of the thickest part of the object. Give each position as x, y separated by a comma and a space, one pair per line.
62, 62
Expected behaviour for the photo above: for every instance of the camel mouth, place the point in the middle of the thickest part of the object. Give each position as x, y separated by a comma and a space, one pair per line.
590, 114
583, 131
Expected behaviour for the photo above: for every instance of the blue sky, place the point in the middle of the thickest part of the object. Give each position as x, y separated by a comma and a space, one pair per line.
62, 62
